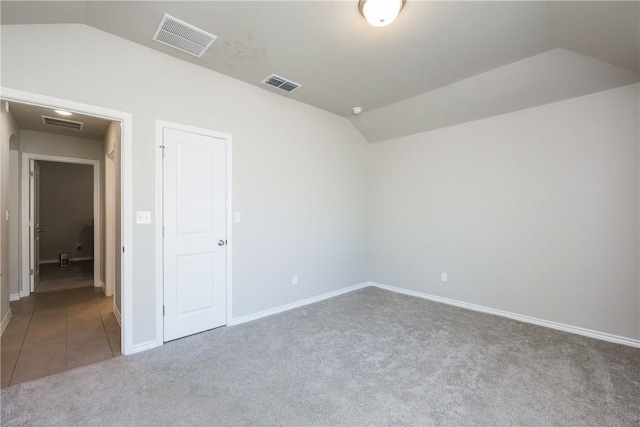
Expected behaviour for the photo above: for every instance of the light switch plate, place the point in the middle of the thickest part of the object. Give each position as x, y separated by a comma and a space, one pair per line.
143, 217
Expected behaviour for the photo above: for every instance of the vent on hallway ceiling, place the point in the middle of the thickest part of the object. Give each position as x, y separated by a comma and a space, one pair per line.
182, 36
62, 123
281, 83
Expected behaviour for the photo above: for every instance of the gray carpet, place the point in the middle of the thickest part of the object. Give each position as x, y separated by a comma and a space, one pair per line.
368, 357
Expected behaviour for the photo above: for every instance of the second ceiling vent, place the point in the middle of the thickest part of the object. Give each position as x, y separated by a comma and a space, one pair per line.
281, 83
62, 123
182, 36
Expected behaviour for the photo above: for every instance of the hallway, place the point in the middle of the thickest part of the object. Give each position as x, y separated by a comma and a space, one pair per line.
56, 331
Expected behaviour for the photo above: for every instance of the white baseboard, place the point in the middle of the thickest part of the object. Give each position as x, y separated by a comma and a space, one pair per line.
296, 304
56, 261
5, 321
519, 317
116, 313
143, 346
14, 297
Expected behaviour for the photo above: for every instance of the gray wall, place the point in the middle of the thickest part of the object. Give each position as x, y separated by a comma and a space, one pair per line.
533, 212
66, 210
9, 135
112, 144
299, 173
60, 145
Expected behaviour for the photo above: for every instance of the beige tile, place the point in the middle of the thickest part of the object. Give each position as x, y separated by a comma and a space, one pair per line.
39, 361
115, 342
12, 339
90, 333
8, 363
110, 323
18, 326
51, 298
48, 317
88, 350
86, 314
45, 334
50, 308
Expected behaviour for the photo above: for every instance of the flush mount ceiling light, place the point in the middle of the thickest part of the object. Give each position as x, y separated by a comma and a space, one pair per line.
380, 13
63, 113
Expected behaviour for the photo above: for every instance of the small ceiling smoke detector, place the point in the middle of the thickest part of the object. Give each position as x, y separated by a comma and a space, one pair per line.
356, 110
182, 36
281, 83
62, 123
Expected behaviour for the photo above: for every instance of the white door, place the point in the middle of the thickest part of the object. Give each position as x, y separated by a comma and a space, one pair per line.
194, 208
34, 217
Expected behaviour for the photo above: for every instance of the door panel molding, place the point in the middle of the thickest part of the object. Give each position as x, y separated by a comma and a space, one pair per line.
161, 125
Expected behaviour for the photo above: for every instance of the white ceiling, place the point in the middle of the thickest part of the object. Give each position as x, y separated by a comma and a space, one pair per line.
29, 117
343, 62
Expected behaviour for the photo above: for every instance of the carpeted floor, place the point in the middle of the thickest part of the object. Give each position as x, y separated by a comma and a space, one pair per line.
368, 357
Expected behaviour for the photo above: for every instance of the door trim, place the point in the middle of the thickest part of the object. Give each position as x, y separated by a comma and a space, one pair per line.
126, 120
160, 126
26, 208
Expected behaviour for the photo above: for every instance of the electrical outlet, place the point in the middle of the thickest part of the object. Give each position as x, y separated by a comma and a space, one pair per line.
444, 277
294, 279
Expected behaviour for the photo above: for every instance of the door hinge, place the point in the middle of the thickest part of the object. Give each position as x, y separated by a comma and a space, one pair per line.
163, 310
30, 173
31, 271
163, 231
162, 147
123, 249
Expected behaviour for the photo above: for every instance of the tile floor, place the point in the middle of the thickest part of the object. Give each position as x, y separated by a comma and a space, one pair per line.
55, 331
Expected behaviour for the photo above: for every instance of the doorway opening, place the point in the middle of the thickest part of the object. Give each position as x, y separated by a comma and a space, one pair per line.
87, 278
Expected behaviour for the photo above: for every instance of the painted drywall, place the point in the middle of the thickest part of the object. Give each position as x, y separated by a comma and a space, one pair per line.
66, 210
534, 212
299, 173
112, 149
14, 219
60, 145
9, 133
549, 77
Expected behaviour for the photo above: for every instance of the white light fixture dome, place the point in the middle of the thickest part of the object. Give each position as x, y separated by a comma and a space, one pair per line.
380, 13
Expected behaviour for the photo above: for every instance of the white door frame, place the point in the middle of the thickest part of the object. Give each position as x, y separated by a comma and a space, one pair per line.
27, 200
126, 231
160, 126
109, 227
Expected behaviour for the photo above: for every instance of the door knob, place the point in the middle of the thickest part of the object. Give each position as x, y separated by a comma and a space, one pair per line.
222, 242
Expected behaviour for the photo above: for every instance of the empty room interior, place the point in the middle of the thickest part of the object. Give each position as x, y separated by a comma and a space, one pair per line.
339, 212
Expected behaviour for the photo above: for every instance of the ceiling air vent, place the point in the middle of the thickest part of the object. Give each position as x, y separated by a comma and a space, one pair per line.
62, 123
182, 36
281, 83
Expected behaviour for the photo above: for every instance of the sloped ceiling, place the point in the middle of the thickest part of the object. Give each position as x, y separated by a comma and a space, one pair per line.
439, 64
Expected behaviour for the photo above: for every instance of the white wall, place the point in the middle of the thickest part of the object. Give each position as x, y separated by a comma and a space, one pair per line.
299, 173
8, 133
534, 212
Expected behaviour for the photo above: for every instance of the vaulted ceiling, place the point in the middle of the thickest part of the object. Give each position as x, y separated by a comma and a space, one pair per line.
438, 64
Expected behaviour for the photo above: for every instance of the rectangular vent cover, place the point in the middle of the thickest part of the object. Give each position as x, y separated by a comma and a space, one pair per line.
182, 36
62, 123
281, 83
